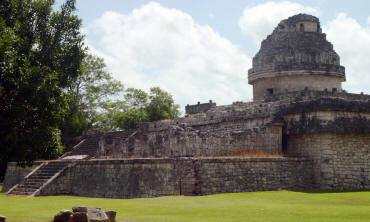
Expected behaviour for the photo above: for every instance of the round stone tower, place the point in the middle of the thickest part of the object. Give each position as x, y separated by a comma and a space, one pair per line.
296, 56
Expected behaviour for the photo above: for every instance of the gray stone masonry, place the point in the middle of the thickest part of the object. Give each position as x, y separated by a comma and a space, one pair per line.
132, 178
15, 174
295, 56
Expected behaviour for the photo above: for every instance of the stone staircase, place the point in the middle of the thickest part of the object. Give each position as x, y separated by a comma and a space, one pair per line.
45, 173
88, 146
39, 178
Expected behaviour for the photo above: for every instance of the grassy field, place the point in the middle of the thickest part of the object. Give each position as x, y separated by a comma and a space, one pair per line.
254, 206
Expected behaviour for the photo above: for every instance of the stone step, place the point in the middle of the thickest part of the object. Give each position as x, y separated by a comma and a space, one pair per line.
22, 193
48, 170
45, 174
35, 181
39, 177
30, 183
24, 190
56, 164
24, 186
52, 168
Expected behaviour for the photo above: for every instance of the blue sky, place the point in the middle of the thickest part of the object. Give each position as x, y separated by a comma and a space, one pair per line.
201, 50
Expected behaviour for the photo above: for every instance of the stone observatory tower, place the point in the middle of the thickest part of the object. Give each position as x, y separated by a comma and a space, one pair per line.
296, 56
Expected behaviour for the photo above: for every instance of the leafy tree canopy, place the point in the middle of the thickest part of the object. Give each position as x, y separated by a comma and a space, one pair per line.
50, 85
41, 51
139, 106
89, 93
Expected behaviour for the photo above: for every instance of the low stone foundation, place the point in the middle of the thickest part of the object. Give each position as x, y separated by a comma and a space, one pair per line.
131, 178
254, 174
341, 161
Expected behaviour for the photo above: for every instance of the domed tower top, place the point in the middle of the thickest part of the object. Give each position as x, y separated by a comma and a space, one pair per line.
296, 56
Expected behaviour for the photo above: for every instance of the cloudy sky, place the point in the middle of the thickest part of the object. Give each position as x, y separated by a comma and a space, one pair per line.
201, 49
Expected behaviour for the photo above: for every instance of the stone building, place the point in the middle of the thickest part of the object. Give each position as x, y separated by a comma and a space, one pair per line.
296, 56
303, 131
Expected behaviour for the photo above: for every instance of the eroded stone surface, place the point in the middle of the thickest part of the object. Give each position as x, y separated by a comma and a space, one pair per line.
111, 215
294, 57
63, 216
80, 217
2, 218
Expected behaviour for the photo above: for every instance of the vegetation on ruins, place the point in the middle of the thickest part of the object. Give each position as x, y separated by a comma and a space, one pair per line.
94, 101
88, 94
139, 106
50, 86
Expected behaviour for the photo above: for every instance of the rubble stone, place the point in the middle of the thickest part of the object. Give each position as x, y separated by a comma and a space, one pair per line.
111, 215
80, 217
63, 216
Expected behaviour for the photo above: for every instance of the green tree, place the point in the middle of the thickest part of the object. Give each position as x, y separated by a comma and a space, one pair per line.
130, 118
89, 93
108, 117
161, 105
139, 106
41, 51
136, 98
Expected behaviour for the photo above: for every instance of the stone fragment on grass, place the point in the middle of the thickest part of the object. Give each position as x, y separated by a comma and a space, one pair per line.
93, 214
80, 217
97, 216
111, 215
85, 209
63, 216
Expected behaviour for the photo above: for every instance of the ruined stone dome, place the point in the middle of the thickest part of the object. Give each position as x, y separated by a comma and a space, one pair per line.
296, 47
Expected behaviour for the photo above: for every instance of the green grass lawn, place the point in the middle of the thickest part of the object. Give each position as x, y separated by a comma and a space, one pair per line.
254, 206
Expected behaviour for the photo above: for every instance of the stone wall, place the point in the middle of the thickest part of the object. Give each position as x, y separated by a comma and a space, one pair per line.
341, 161
212, 140
240, 175
133, 178
295, 56
306, 95
295, 82
15, 174
117, 178
197, 108
327, 122
307, 26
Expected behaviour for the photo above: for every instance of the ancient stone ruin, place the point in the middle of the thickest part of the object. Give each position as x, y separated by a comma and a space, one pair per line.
85, 214
312, 134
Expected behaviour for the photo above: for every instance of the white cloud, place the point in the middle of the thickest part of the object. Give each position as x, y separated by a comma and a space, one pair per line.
158, 46
352, 42
259, 21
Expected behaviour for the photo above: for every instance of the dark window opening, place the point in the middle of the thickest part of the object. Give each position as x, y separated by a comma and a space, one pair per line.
334, 89
109, 140
284, 144
301, 27
270, 91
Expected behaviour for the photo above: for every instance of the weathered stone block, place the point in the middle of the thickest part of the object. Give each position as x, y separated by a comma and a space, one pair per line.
84, 209
63, 216
80, 217
93, 214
